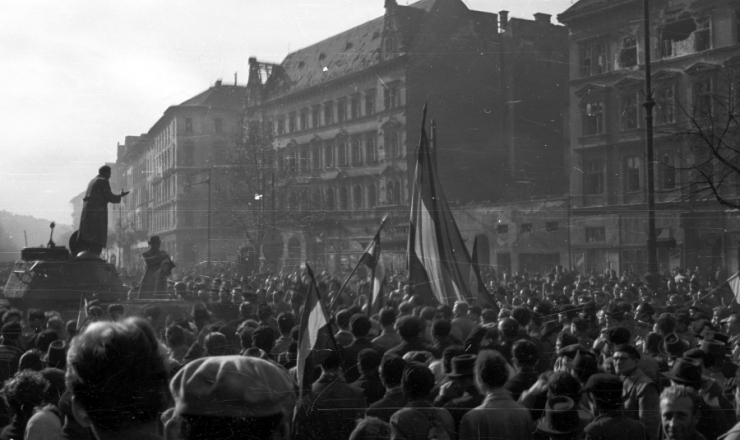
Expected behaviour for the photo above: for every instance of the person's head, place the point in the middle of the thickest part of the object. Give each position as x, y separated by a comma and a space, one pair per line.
371, 428
368, 361
391, 371
565, 339
115, 311
232, 397
417, 382
563, 383
359, 325
36, 319
604, 392
71, 328
387, 317
679, 412
104, 171
245, 310
174, 336
117, 376
154, 242
31, 360
286, 322
245, 337
441, 329
11, 331
409, 327
461, 308
443, 312
55, 377
216, 344
524, 353
625, 359
263, 337
522, 315
343, 317
490, 370
24, 391
45, 338
508, 328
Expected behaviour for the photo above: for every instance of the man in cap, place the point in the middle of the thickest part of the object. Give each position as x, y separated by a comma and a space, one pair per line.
231, 397
563, 420
524, 358
368, 361
410, 330
499, 416
640, 393
359, 325
610, 423
93, 233
463, 378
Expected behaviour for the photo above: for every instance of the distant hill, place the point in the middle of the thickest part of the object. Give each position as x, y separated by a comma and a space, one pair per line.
37, 230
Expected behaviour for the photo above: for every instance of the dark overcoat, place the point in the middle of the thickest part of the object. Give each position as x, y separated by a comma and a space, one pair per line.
94, 218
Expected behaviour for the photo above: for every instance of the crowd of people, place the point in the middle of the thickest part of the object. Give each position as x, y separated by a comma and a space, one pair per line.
559, 356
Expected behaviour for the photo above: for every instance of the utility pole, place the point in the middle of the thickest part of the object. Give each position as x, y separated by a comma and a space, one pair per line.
649, 104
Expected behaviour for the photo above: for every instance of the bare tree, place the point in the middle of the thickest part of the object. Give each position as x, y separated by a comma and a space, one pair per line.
709, 130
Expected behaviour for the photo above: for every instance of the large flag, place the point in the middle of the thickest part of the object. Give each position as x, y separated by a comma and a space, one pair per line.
438, 261
314, 333
371, 259
476, 280
735, 287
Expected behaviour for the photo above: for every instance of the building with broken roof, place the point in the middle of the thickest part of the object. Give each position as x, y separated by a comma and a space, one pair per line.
695, 56
166, 171
346, 114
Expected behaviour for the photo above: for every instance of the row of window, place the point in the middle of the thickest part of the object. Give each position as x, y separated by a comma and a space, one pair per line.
343, 151
633, 173
339, 110
526, 228
680, 36
218, 125
347, 197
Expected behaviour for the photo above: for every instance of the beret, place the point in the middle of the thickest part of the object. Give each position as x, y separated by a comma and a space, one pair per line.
232, 386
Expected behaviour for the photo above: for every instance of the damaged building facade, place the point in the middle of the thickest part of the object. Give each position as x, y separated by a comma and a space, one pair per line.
346, 116
695, 60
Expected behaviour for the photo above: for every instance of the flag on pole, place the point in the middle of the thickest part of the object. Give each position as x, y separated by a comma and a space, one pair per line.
314, 332
438, 262
735, 287
371, 259
82, 313
476, 281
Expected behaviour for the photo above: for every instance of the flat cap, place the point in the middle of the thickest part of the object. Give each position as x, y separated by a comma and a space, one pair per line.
603, 383
232, 386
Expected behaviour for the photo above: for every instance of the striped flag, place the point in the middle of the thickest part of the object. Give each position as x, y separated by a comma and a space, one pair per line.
371, 259
314, 333
438, 261
735, 286
82, 313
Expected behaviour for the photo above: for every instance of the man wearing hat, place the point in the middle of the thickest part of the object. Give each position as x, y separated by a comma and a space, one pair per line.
524, 357
640, 393
610, 423
368, 361
359, 326
231, 397
461, 378
158, 268
563, 420
391, 374
419, 418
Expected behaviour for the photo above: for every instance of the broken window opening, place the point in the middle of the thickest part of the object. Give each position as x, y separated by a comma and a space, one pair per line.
685, 36
630, 111
593, 58
628, 54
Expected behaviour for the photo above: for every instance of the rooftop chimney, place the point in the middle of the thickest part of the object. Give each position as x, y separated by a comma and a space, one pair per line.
218, 83
503, 20
540, 17
390, 4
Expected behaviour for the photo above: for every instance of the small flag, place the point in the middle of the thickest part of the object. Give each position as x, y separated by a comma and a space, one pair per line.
371, 259
82, 313
314, 333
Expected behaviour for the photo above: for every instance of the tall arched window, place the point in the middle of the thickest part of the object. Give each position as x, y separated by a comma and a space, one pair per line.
342, 152
329, 154
372, 196
329, 199
389, 191
356, 150
343, 198
316, 158
357, 197
370, 147
392, 144
304, 159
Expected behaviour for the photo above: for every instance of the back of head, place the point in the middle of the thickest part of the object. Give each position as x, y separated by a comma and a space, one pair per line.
522, 315
117, 374
391, 370
509, 328
360, 325
562, 383
409, 327
441, 328
606, 391
232, 397
418, 381
263, 337
216, 344
525, 352
387, 317
24, 391
490, 369
343, 317
12, 331
31, 360
175, 336
286, 322
371, 428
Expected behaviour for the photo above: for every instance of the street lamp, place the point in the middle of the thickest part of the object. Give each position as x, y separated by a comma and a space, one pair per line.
652, 251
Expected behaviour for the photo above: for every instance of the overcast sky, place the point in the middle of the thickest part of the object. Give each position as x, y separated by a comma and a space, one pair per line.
78, 76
